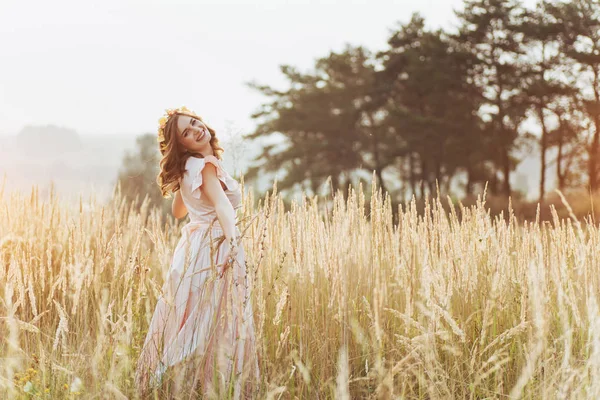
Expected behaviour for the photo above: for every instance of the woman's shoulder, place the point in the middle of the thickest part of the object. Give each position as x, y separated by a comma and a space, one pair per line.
193, 174
194, 162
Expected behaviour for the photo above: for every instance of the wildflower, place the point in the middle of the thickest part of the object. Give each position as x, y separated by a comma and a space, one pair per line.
76, 386
28, 388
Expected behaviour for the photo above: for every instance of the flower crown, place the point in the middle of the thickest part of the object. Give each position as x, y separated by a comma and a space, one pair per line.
169, 112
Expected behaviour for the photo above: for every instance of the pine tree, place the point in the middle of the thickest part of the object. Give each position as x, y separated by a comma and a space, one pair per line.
543, 83
580, 41
429, 98
490, 30
320, 117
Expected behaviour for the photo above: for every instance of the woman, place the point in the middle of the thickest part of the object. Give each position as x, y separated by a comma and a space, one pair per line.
204, 315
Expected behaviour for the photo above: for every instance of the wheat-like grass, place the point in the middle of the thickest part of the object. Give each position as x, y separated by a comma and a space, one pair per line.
443, 304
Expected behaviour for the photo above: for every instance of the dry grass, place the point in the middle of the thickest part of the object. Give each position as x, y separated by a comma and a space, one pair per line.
346, 304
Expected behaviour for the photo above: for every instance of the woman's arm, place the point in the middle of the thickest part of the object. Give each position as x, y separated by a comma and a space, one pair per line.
211, 188
178, 207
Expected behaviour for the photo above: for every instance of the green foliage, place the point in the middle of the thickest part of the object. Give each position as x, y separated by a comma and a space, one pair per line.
137, 176
547, 94
579, 40
429, 106
490, 30
434, 105
320, 118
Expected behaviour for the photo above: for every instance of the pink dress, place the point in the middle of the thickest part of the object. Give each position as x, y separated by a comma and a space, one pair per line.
201, 318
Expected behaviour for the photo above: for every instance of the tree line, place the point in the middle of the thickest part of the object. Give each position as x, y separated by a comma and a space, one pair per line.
446, 109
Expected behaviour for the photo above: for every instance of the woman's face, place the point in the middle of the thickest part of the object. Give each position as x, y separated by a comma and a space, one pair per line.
192, 133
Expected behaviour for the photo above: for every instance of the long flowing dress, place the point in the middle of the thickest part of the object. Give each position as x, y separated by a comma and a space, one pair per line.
200, 317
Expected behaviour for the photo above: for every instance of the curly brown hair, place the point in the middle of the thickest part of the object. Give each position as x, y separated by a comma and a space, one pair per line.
174, 155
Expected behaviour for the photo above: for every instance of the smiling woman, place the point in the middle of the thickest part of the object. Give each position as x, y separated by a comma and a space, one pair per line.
204, 316
180, 137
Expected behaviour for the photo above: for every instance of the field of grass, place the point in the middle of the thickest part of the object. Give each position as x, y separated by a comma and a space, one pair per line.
443, 305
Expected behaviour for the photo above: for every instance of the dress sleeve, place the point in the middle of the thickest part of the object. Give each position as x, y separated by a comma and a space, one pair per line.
196, 167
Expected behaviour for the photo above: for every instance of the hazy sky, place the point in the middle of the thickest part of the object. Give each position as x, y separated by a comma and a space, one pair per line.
113, 66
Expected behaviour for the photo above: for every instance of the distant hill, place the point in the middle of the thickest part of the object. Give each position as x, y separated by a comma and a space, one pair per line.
48, 141
39, 155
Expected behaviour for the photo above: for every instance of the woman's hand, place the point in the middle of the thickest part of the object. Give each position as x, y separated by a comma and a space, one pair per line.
230, 257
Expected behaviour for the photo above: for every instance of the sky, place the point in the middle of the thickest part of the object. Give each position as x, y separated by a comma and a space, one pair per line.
114, 66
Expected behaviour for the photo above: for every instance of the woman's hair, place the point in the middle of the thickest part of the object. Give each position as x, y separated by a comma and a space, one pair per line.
174, 155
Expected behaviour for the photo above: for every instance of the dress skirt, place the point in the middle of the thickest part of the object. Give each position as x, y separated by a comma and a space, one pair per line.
203, 319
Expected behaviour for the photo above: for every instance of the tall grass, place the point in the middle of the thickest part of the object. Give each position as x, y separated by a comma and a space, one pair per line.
347, 305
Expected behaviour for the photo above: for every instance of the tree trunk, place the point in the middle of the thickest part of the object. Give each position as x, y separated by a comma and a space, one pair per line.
503, 138
423, 175
469, 187
413, 177
543, 145
593, 165
375, 150
506, 172
335, 183
447, 184
560, 175
593, 169
431, 186
381, 184
438, 177
493, 184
